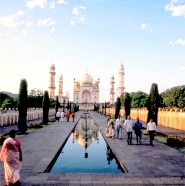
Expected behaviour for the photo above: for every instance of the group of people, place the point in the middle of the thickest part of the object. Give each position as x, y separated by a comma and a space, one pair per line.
62, 115
114, 129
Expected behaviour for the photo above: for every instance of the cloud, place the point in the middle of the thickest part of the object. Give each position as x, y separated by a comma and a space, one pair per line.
26, 31
9, 21
78, 14
44, 22
29, 24
53, 30
76, 11
180, 42
62, 2
19, 13
83, 7
144, 25
171, 43
176, 7
52, 5
34, 3
82, 19
72, 22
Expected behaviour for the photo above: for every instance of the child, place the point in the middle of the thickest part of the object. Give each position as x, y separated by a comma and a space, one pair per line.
113, 132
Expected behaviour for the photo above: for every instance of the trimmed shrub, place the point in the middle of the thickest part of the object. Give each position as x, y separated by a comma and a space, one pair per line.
176, 141
36, 125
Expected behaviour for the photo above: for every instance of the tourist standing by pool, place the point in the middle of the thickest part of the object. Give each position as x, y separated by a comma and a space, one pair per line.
119, 126
129, 126
11, 155
109, 126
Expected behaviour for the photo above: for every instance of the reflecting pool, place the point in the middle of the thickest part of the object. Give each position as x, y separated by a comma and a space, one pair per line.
86, 151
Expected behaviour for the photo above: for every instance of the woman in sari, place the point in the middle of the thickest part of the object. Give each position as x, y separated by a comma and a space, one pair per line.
11, 155
109, 126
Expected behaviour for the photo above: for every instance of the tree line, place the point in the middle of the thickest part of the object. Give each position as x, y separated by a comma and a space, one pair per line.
173, 97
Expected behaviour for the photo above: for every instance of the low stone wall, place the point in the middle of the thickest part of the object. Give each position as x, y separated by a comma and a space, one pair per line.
11, 117
169, 118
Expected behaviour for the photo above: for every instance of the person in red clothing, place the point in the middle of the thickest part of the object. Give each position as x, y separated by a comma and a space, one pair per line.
73, 116
68, 116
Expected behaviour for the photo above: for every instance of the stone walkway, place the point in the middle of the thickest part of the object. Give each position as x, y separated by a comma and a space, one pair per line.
146, 165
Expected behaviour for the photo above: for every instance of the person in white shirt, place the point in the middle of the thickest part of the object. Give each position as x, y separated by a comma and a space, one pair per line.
62, 116
151, 128
129, 127
58, 115
119, 126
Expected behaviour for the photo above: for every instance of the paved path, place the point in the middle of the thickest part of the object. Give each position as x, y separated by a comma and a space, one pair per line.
146, 165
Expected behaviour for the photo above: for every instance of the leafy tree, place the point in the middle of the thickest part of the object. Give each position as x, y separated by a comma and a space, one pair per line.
45, 106
3, 96
181, 100
139, 99
153, 103
127, 104
174, 97
35, 98
22, 106
118, 107
9, 103
52, 102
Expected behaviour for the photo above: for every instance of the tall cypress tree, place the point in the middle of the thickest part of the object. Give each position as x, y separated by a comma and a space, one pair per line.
22, 106
127, 104
118, 107
45, 107
153, 103
57, 104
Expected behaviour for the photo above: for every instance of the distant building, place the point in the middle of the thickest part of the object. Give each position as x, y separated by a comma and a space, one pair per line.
51, 88
112, 90
120, 85
86, 92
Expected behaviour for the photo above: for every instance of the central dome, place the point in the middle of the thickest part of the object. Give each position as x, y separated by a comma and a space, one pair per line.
86, 79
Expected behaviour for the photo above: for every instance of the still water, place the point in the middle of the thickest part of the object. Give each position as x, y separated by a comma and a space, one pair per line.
86, 151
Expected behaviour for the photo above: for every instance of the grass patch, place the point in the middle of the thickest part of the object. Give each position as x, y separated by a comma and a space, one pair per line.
161, 139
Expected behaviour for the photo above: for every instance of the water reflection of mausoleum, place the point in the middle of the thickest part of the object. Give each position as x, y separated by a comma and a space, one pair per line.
86, 132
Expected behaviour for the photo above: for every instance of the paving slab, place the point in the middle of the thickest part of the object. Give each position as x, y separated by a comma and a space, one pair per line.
144, 164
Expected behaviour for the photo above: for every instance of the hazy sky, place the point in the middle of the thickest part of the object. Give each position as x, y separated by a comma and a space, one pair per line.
147, 36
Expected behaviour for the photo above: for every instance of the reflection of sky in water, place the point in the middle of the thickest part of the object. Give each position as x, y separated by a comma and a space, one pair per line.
72, 158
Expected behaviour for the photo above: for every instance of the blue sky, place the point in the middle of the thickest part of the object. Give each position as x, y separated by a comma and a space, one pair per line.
147, 36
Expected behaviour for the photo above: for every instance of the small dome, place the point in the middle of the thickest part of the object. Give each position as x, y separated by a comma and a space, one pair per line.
86, 79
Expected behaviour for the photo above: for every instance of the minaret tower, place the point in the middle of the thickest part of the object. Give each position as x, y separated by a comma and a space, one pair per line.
60, 89
51, 88
112, 90
120, 88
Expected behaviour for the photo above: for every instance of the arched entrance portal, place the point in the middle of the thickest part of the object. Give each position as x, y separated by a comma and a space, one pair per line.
86, 96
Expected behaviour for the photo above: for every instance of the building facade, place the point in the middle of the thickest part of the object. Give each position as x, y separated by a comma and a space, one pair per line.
86, 92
